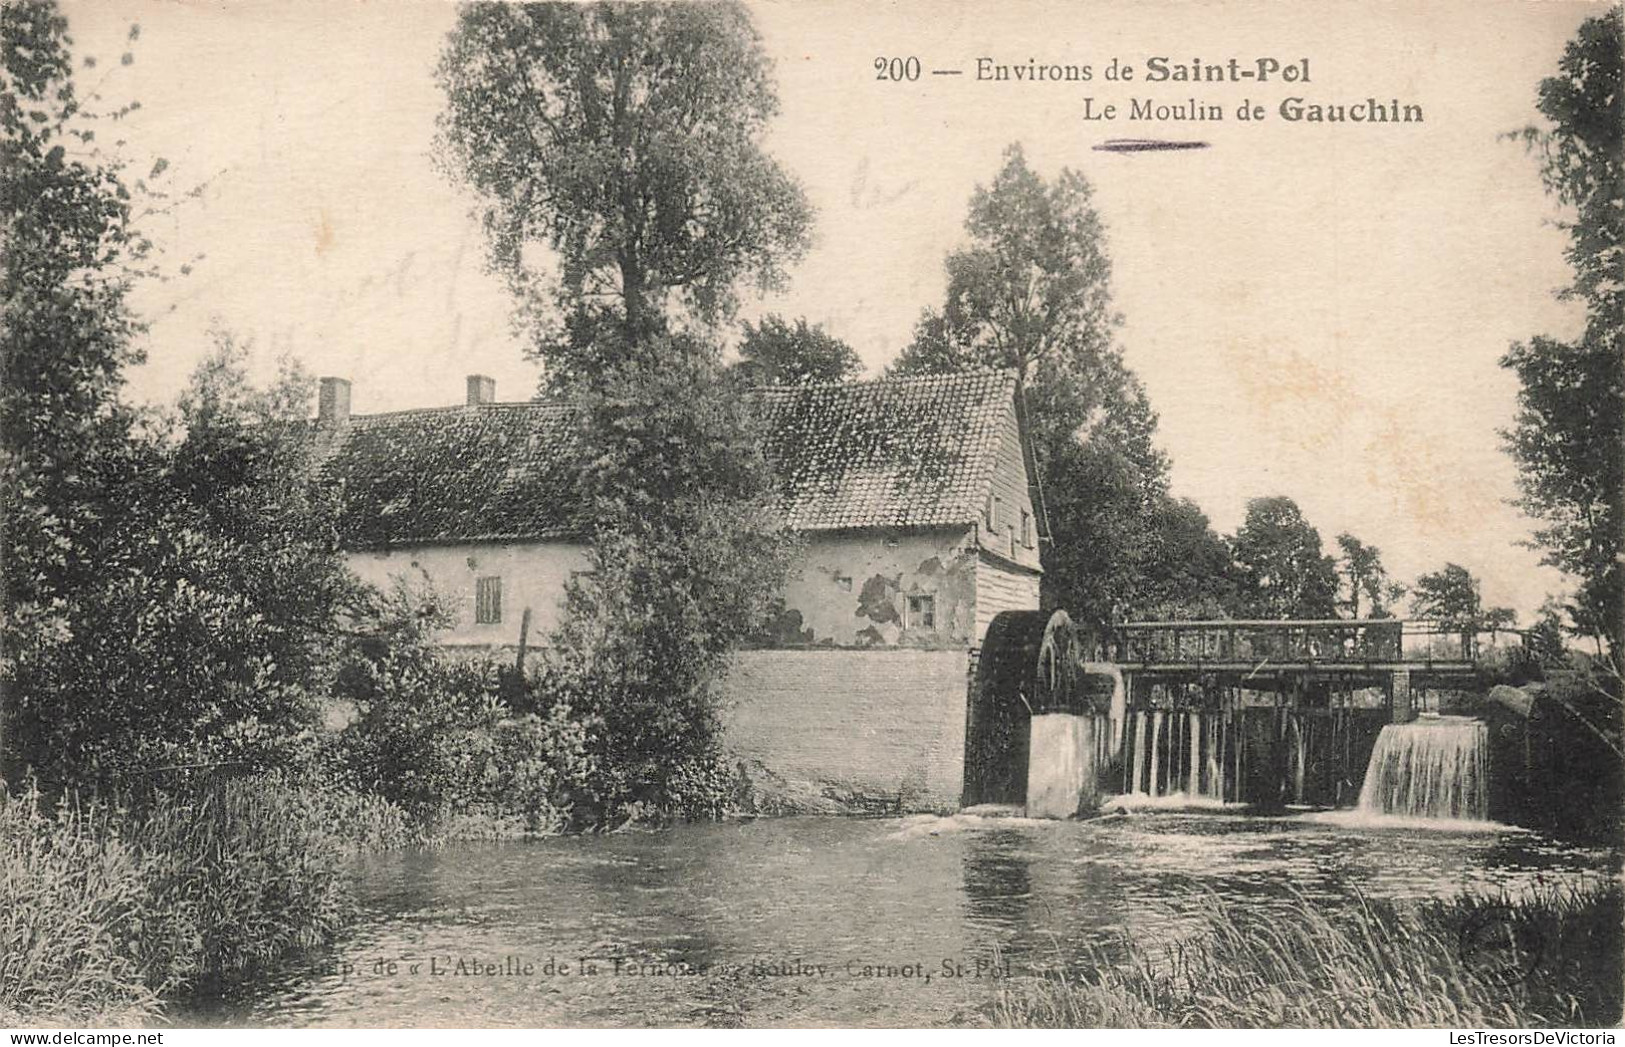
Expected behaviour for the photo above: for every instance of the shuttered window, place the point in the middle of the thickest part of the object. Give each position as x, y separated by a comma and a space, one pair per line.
922, 612
488, 601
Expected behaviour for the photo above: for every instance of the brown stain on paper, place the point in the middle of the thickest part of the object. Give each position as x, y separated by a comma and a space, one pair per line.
324, 233
1313, 404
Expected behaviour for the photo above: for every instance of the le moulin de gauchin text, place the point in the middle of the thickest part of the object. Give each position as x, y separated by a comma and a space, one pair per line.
1160, 69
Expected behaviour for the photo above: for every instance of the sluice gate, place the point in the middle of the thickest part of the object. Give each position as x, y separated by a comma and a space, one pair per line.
1268, 714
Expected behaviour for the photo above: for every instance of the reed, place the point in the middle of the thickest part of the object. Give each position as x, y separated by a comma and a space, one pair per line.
1471, 962
111, 906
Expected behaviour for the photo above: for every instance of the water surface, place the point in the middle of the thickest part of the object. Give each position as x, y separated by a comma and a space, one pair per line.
828, 921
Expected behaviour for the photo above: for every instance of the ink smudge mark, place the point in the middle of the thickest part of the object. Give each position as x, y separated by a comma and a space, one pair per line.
1144, 145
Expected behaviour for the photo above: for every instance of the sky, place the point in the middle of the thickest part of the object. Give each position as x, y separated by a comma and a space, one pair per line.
1316, 310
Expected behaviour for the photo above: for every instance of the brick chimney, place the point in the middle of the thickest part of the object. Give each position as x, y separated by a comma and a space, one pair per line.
481, 390
333, 404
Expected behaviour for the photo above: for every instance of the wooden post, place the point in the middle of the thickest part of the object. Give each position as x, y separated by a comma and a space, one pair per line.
1401, 702
524, 641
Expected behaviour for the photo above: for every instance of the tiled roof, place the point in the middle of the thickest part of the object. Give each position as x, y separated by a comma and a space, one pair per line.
494, 472
893, 452
897, 452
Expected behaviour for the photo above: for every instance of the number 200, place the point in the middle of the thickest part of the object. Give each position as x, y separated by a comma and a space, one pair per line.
897, 68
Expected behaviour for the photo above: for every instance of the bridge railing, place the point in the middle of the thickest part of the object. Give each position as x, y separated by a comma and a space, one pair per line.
1329, 642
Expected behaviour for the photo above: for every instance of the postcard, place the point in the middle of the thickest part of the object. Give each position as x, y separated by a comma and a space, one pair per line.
718, 515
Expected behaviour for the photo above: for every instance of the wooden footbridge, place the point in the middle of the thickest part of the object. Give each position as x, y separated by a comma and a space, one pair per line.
1300, 658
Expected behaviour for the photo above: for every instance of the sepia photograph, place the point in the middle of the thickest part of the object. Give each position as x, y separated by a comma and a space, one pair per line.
713, 514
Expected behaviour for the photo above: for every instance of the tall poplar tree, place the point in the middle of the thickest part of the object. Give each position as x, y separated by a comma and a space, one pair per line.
1030, 290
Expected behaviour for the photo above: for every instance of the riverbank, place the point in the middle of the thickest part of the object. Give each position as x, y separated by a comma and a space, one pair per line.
111, 909
1549, 961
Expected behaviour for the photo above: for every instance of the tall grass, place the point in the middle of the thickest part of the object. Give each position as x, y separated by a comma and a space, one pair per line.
108, 908
1467, 963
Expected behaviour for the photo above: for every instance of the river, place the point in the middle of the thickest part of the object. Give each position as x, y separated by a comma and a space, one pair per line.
829, 921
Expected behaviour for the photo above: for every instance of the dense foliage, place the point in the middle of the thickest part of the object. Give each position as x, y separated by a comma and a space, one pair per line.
64, 341
688, 558
462, 745
1569, 435
774, 352
171, 582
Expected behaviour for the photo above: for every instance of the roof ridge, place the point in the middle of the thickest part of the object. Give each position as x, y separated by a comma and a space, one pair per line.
1007, 373
415, 412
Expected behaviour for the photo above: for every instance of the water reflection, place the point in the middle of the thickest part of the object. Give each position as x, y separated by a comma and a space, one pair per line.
838, 922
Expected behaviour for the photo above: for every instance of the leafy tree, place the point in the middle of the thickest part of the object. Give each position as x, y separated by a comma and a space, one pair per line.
66, 336
1451, 596
1570, 428
1363, 573
625, 138
1188, 572
1031, 291
171, 584
1544, 641
1284, 574
688, 558
208, 629
775, 353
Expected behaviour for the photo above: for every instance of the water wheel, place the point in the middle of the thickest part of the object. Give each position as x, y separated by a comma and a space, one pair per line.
1031, 662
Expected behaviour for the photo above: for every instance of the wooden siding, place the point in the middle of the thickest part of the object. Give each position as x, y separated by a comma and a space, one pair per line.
1011, 502
1000, 587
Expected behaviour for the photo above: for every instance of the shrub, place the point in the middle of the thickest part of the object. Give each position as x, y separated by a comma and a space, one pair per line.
465, 746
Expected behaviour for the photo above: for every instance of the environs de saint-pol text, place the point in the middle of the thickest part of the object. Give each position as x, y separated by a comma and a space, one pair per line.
1293, 74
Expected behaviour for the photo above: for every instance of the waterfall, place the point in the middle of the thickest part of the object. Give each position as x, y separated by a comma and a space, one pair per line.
1432, 768
1139, 753
1300, 758
1156, 751
1178, 754
1193, 722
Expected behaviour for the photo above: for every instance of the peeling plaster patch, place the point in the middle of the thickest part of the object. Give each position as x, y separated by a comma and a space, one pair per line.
871, 635
877, 600
929, 567
786, 630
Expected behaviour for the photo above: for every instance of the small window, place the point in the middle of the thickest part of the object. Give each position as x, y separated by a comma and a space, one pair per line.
922, 612
990, 513
1010, 530
488, 601
1026, 528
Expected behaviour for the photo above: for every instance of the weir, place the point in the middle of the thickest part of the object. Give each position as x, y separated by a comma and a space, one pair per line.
1435, 767
1273, 715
